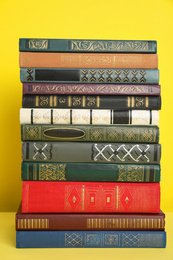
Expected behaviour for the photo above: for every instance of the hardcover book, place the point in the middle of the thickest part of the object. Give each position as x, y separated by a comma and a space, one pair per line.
90, 89
83, 45
88, 116
32, 171
88, 60
89, 239
89, 152
90, 197
85, 75
90, 133
90, 222
92, 102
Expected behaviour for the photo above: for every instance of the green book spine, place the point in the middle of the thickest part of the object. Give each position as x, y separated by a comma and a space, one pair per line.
89, 172
90, 133
83, 45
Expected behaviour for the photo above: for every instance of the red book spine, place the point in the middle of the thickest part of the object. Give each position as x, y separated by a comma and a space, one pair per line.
90, 197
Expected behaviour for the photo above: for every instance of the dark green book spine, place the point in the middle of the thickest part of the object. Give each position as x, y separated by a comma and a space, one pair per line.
89, 172
90, 133
92, 102
111, 76
83, 45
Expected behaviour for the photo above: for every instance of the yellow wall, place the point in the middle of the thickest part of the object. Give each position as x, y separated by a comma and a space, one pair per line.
123, 19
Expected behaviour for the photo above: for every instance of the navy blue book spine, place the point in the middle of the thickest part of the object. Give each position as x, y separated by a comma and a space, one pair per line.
83, 45
82, 75
90, 239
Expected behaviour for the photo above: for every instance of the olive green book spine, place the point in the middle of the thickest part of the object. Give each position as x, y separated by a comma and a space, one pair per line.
32, 171
90, 133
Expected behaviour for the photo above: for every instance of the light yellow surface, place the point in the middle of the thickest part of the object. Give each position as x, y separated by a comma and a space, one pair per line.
9, 252
92, 19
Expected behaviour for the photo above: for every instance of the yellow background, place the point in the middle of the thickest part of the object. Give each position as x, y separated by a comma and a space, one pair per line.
123, 19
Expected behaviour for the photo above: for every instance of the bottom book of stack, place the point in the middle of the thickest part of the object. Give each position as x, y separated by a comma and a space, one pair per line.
91, 230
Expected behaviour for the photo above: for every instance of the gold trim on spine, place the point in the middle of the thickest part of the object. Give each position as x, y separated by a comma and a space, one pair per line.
98, 101
55, 101
117, 196
51, 101
18, 223
21, 223
83, 197
133, 101
37, 101
83, 101
147, 102
128, 101
69, 101
25, 223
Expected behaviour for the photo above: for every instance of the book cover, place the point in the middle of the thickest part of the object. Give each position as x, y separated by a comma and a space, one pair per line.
90, 152
92, 102
87, 60
90, 197
88, 116
32, 171
83, 45
85, 75
90, 239
90, 133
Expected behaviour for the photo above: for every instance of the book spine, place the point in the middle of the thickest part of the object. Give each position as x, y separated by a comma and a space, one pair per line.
88, 152
88, 116
87, 60
90, 89
90, 197
65, 45
89, 172
92, 102
87, 239
90, 133
90, 222
108, 76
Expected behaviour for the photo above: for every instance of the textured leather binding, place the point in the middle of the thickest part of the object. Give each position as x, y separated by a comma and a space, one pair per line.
83, 45
32, 171
88, 116
87, 60
84, 75
90, 133
92, 102
90, 89
54, 197
91, 222
91, 152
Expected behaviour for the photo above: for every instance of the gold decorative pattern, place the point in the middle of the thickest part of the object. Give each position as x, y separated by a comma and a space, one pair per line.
31, 132
139, 102
51, 172
38, 44
73, 240
131, 173
77, 101
111, 239
33, 223
130, 240
44, 101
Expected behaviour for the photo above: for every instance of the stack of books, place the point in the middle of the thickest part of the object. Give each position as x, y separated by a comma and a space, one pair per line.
91, 152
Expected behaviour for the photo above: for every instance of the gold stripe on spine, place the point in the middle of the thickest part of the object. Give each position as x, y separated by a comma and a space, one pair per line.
120, 222
92, 220
46, 223
99, 222
39, 223
152, 222
106, 223
18, 223
28, 223
127, 223
148, 223
145, 223
134, 222
83, 101
25, 223
37, 101
103, 223
42, 223
147, 102
21, 223
113, 223
55, 101
141, 223
128, 101
51, 101
69, 101
96, 223
98, 101
83, 197
32, 223
159, 222
155, 223
117, 224
138, 223
124, 223
117, 197
133, 101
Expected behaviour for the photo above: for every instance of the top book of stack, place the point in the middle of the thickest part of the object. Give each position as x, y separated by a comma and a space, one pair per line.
74, 45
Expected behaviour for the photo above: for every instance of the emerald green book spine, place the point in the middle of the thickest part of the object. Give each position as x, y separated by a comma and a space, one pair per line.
32, 171
90, 133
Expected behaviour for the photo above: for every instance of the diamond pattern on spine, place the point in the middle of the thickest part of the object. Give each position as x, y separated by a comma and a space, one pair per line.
126, 199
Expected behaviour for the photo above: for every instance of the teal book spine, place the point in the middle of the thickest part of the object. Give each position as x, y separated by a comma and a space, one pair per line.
90, 133
86, 45
82, 75
32, 171
90, 239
